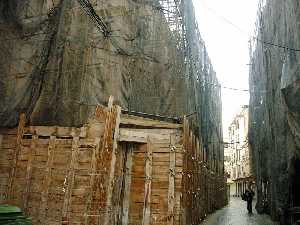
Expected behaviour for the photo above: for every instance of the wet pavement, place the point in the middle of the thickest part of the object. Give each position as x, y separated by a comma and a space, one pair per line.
236, 214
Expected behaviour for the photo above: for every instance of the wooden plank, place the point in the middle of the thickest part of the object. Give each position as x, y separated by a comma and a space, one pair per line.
141, 135
69, 181
92, 180
110, 102
112, 167
1, 138
183, 205
57, 131
127, 135
172, 173
47, 180
147, 194
8, 131
127, 186
143, 122
29, 172
12, 174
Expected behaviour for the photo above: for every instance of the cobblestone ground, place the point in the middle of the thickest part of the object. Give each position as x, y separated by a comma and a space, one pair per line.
236, 214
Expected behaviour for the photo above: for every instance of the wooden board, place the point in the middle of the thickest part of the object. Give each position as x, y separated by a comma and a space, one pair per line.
147, 123
114, 170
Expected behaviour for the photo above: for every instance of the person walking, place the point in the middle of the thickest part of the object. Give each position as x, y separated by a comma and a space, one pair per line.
248, 196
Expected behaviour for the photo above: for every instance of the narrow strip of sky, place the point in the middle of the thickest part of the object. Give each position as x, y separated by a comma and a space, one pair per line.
226, 27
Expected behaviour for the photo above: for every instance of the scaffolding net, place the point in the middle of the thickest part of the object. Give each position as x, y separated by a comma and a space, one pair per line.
60, 59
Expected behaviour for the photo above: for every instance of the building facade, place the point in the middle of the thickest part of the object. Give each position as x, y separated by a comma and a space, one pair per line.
238, 154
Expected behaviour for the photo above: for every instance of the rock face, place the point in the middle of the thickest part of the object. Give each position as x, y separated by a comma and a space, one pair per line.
274, 134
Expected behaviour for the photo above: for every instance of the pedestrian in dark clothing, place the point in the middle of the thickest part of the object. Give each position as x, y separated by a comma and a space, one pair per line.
248, 196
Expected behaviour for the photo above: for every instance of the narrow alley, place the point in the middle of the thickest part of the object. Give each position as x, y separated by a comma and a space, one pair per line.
149, 112
236, 214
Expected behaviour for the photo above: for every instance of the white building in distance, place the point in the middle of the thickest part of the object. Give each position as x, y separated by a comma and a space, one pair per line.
237, 154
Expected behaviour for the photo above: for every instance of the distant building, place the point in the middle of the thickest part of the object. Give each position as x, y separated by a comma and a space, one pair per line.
237, 154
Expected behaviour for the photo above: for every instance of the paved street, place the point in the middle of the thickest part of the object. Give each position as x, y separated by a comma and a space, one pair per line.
236, 214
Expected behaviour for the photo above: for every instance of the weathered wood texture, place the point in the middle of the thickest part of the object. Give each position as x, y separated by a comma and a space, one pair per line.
114, 170
204, 190
61, 175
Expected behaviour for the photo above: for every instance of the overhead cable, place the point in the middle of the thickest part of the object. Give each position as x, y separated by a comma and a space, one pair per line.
221, 17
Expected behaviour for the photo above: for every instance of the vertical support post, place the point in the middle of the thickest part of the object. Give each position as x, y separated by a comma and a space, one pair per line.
190, 166
70, 178
148, 181
184, 200
110, 102
172, 173
93, 175
1, 138
127, 186
198, 153
12, 174
112, 168
47, 179
29, 172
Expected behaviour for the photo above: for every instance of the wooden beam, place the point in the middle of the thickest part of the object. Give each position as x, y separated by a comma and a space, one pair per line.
47, 179
56, 131
128, 135
141, 135
69, 181
28, 178
127, 185
148, 181
198, 154
1, 138
184, 202
12, 174
110, 102
92, 174
8, 131
112, 168
172, 174
144, 122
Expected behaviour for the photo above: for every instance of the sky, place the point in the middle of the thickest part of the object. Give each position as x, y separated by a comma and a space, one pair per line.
226, 26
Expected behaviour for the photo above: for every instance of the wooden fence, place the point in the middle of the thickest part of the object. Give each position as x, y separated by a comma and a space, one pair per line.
117, 169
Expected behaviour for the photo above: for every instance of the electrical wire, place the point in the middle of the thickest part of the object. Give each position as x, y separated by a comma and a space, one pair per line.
221, 17
224, 87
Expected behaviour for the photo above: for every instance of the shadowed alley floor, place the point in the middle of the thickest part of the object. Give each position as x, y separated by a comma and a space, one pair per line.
236, 214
